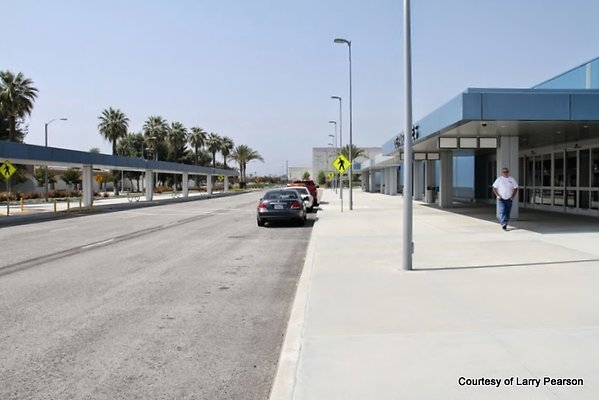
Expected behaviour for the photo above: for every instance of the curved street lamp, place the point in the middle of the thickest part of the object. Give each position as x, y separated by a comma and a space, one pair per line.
351, 159
46, 145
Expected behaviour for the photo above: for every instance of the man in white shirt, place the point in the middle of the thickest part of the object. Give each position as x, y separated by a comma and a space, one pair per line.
505, 188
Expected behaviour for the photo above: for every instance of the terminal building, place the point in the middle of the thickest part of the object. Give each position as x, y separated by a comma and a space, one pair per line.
548, 136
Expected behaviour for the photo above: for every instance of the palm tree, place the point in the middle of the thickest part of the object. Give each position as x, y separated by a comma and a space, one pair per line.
154, 131
197, 139
17, 95
243, 155
356, 151
226, 147
177, 138
113, 126
213, 144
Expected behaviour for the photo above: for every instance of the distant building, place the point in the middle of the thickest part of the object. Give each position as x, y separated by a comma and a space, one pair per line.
298, 172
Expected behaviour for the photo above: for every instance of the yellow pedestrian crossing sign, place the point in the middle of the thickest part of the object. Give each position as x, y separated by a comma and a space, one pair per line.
341, 164
7, 169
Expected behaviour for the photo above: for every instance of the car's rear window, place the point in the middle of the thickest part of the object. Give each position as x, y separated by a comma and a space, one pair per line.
285, 195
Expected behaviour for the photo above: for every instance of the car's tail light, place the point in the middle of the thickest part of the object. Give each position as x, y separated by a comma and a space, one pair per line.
262, 205
296, 204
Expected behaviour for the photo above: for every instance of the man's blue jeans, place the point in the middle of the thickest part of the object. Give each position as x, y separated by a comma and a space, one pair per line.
505, 208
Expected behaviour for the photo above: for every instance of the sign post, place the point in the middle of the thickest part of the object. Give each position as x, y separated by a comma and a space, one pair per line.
341, 164
7, 170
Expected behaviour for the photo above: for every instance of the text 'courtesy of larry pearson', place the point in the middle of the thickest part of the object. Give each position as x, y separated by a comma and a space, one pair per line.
519, 381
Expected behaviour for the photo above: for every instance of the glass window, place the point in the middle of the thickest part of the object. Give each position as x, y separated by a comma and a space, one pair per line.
529, 180
574, 79
571, 198
559, 197
584, 172
538, 171
546, 170
595, 74
571, 169
537, 197
558, 172
594, 199
595, 167
583, 199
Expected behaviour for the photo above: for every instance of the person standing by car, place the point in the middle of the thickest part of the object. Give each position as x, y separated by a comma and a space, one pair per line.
505, 188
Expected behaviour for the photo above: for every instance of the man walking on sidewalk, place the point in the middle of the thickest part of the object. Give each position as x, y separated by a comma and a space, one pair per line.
505, 188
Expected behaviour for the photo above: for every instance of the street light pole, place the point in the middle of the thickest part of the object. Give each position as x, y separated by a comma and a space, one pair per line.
340, 147
335, 147
46, 145
408, 245
350, 151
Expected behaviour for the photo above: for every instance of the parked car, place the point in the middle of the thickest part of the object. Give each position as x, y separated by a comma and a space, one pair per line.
312, 187
306, 196
284, 204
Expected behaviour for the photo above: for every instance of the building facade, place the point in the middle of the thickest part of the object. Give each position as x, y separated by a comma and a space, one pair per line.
548, 136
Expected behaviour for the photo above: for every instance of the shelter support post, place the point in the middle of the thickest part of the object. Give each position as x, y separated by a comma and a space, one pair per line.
429, 181
418, 180
209, 184
185, 184
507, 156
446, 181
87, 183
149, 178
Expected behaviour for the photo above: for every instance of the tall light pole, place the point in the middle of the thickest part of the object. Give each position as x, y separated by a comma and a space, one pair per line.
335, 148
46, 145
351, 159
340, 147
408, 245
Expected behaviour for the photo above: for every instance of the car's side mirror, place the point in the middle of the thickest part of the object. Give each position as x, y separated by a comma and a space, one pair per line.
260, 199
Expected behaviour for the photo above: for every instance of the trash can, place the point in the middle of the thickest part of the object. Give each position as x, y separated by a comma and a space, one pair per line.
431, 194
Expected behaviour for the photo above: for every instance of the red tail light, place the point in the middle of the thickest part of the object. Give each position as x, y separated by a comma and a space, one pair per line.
261, 205
296, 204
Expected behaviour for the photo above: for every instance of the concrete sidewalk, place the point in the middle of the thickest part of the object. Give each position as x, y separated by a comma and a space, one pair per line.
480, 304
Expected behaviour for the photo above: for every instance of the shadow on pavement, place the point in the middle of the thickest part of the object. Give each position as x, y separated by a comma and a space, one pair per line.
543, 222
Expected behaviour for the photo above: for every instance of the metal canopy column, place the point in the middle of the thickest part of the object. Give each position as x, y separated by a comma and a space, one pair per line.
507, 156
149, 184
418, 180
429, 181
446, 181
209, 184
226, 184
87, 182
185, 184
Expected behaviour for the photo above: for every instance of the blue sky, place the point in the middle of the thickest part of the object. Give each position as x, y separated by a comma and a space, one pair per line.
262, 71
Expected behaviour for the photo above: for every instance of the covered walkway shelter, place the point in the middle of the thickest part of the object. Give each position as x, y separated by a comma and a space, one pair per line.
19, 153
548, 136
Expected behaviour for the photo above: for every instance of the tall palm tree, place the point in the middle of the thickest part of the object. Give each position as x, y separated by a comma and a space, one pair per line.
17, 95
213, 144
177, 138
113, 126
154, 130
226, 147
197, 139
243, 155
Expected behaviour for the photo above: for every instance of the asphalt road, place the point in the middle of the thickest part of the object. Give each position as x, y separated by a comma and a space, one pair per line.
182, 301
